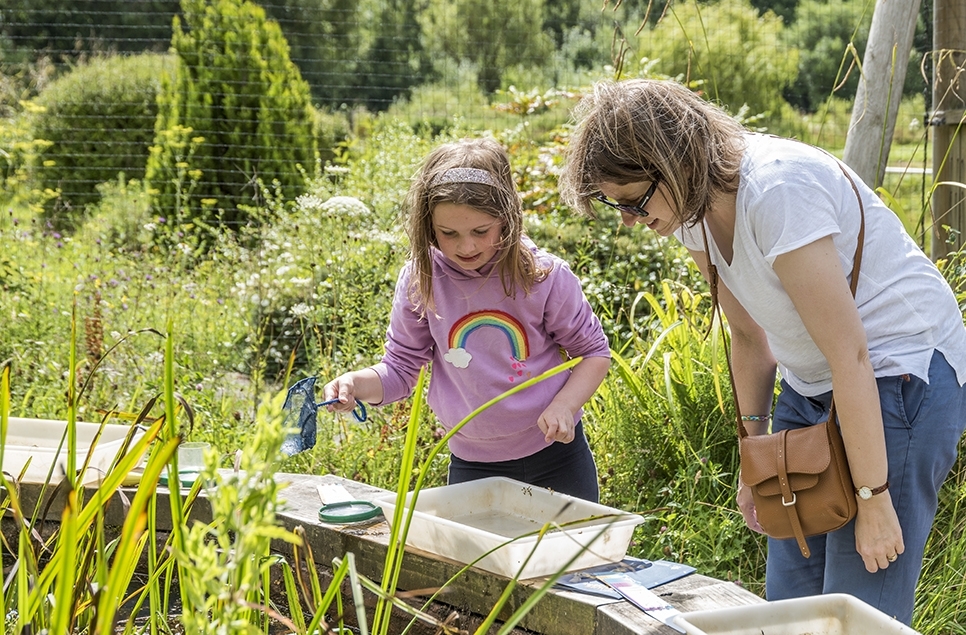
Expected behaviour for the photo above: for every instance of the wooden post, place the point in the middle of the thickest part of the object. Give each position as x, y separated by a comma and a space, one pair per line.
880, 88
947, 121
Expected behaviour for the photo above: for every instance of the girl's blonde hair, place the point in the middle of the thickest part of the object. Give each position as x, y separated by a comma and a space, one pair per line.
647, 130
487, 186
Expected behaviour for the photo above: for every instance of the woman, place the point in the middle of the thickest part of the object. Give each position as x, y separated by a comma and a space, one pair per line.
781, 220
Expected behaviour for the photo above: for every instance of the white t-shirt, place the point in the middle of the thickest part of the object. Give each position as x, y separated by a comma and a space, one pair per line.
790, 195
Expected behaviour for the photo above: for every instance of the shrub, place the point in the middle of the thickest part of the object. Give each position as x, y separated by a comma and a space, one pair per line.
320, 284
823, 32
737, 55
329, 130
99, 121
235, 115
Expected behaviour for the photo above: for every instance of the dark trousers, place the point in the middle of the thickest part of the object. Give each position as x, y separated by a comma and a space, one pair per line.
567, 468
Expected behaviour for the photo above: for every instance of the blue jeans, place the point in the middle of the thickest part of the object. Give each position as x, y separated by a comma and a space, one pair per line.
567, 468
923, 425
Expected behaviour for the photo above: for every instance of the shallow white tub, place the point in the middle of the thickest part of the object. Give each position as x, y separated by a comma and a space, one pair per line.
831, 614
39, 441
465, 521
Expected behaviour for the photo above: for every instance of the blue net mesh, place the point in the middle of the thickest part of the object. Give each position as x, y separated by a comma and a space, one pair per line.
301, 413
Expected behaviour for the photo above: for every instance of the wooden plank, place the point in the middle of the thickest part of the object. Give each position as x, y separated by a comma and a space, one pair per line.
558, 613
473, 591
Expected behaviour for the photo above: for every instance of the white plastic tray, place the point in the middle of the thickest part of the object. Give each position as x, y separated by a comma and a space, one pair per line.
831, 614
39, 440
464, 521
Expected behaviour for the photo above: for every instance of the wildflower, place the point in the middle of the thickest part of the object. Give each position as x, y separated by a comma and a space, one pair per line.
345, 206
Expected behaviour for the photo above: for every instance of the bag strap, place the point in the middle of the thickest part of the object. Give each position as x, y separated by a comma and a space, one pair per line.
789, 498
716, 308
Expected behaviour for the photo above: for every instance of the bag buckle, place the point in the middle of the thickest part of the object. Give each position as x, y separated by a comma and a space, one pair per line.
794, 498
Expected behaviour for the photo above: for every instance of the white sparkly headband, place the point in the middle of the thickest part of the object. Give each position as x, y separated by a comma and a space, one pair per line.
465, 175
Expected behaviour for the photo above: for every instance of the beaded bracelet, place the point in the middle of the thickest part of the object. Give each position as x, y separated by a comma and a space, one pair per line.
755, 417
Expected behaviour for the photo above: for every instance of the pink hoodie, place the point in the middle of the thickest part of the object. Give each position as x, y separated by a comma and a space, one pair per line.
481, 343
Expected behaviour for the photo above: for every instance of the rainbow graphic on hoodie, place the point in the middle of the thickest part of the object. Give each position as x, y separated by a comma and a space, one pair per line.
509, 325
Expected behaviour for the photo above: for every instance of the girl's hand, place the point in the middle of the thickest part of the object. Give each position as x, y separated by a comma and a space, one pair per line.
557, 424
746, 503
878, 536
359, 385
343, 389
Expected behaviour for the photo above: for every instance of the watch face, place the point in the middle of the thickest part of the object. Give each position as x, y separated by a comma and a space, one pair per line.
865, 493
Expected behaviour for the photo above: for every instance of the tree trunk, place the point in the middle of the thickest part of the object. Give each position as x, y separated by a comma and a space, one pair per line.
880, 88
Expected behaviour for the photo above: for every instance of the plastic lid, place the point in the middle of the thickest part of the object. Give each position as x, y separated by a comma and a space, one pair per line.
188, 477
348, 512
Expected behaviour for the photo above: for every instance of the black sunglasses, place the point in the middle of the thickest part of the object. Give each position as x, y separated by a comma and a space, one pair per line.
636, 210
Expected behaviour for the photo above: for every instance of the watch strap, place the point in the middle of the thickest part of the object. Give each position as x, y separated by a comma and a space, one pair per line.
876, 490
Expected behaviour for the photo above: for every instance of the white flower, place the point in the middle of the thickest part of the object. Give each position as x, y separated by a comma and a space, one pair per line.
309, 202
345, 206
300, 310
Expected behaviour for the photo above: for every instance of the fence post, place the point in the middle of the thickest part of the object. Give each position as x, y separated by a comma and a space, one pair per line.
880, 89
947, 119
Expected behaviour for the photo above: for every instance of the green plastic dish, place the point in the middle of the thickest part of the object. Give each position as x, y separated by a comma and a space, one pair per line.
346, 512
188, 477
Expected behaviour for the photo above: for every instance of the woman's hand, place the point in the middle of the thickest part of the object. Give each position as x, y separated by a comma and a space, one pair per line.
878, 536
746, 504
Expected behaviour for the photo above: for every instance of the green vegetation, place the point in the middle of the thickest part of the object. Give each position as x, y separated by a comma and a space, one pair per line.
235, 115
300, 282
107, 103
739, 65
310, 286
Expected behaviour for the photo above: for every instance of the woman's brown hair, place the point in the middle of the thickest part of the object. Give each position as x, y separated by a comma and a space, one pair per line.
643, 130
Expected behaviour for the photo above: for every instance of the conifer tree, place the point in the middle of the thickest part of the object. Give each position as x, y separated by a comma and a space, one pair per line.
235, 114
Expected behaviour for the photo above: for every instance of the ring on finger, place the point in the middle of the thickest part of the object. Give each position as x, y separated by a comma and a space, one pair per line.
893, 557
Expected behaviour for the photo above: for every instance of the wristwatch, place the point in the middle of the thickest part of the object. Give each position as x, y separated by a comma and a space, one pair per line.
865, 492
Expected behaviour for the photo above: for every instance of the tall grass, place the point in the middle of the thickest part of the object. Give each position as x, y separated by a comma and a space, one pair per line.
672, 454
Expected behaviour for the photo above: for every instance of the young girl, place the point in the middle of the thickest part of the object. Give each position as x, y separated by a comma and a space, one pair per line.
489, 310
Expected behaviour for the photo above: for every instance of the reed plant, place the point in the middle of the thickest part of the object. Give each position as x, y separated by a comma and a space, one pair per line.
664, 432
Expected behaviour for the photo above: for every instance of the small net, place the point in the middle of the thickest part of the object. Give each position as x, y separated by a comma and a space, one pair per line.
301, 415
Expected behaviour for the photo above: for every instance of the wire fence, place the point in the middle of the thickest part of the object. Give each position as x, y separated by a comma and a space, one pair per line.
214, 97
